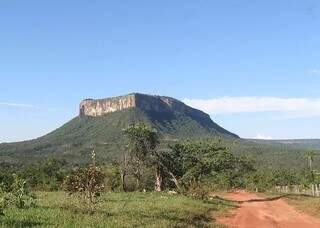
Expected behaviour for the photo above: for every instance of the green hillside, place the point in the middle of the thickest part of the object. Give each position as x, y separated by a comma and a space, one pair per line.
76, 138
292, 143
273, 155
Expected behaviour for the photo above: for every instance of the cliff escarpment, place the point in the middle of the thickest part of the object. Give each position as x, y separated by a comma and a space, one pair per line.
99, 107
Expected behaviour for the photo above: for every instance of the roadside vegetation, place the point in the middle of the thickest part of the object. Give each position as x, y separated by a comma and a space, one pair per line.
306, 204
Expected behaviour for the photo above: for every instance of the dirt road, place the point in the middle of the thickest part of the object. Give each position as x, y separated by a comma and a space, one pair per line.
265, 214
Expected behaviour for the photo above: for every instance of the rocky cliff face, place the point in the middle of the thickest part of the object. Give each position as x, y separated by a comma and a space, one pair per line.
90, 107
158, 104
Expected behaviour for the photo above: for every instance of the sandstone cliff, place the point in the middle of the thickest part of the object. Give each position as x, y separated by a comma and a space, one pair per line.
90, 107
99, 107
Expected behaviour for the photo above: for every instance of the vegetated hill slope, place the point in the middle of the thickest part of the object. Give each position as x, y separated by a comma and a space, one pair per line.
272, 155
77, 138
293, 143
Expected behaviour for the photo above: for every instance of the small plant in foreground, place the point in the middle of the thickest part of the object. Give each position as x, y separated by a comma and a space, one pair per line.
88, 181
3, 202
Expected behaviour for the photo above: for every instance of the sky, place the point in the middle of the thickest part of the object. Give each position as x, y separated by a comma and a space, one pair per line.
254, 66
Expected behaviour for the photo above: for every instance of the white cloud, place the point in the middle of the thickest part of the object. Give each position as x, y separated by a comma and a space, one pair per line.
261, 136
17, 105
297, 107
315, 71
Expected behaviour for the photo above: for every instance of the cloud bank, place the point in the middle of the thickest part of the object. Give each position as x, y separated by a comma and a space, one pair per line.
295, 107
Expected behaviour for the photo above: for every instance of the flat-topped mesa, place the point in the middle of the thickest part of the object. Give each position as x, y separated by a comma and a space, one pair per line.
99, 107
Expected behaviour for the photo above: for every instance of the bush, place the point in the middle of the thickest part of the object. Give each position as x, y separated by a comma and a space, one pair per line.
88, 181
198, 190
19, 196
46, 175
112, 177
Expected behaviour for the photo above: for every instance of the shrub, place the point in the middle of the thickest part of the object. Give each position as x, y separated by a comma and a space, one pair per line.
46, 175
88, 181
113, 177
18, 196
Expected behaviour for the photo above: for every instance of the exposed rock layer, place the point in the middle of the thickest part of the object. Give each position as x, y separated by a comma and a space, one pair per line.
99, 107
90, 107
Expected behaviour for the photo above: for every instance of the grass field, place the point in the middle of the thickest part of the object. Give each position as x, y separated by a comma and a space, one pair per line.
306, 204
57, 209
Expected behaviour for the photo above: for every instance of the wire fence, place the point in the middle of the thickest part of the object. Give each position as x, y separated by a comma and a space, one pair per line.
312, 190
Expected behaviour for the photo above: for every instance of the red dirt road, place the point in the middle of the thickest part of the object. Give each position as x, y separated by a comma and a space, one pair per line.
265, 214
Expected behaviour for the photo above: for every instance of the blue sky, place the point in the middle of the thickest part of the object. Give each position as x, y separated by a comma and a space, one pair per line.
253, 65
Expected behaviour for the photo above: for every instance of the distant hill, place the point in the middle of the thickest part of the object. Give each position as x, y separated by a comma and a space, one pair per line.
293, 143
100, 123
269, 154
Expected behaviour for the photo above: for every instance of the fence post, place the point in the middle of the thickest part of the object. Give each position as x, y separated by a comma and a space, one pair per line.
313, 190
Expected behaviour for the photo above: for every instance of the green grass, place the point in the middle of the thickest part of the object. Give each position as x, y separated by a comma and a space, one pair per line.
57, 209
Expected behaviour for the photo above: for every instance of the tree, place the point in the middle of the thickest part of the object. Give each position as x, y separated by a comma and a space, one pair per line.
124, 170
310, 155
190, 162
142, 143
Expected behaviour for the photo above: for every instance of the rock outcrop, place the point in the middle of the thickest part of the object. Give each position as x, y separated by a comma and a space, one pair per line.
99, 107
91, 107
